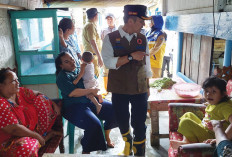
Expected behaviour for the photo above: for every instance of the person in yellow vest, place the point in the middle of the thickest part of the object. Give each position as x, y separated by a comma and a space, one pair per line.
91, 39
157, 42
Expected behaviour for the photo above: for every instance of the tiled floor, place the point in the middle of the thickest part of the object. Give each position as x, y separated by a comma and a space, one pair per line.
119, 144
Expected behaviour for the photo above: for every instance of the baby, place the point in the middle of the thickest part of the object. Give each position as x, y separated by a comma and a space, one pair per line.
89, 80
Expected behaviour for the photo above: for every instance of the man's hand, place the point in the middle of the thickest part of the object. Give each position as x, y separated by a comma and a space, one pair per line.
138, 55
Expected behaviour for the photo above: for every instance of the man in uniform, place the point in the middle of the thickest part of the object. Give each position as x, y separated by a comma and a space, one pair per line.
91, 39
125, 53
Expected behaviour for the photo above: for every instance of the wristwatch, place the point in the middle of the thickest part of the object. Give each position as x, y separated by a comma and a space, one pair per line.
129, 57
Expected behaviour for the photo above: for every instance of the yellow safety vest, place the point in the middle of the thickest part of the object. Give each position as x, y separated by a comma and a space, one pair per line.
157, 60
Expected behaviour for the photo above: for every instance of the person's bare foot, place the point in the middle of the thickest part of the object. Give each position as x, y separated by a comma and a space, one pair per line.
110, 144
175, 143
98, 107
100, 99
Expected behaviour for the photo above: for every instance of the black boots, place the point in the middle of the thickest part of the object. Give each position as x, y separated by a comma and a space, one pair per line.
128, 144
139, 148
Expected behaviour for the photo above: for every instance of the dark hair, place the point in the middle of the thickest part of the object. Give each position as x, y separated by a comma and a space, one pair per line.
58, 62
91, 13
91, 17
216, 82
65, 23
3, 73
126, 18
87, 56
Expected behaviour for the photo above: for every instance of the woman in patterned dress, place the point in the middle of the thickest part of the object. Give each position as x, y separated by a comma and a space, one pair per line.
26, 118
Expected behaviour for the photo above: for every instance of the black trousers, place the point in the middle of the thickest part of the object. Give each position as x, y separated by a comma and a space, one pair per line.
138, 113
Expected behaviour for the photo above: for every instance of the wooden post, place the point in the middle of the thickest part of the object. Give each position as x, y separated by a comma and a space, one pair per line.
227, 54
179, 52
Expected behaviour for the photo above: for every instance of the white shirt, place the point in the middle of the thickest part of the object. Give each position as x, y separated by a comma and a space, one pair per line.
106, 31
89, 77
108, 53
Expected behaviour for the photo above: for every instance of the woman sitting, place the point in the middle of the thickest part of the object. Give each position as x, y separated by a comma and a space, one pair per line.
79, 110
26, 118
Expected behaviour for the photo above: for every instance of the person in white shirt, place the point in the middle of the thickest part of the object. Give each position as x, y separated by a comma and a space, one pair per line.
111, 27
125, 53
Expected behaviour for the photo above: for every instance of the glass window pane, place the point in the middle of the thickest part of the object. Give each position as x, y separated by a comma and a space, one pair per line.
37, 64
35, 34
218, 55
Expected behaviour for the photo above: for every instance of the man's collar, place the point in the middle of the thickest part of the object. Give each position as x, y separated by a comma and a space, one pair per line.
123, 33
112, 27
91, 21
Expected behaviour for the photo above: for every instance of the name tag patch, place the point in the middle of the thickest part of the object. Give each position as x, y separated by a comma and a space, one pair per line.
140, 47
118, 47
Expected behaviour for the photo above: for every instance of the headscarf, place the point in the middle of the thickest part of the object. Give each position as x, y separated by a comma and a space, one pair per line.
156, 29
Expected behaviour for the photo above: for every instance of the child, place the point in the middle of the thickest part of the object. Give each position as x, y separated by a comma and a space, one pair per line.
87, 74
219, 107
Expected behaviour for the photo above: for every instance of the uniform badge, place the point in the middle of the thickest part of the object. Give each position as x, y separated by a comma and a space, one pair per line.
139, 41
118, 40
132, 13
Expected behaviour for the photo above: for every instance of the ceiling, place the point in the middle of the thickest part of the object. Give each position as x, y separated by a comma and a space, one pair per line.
95, 3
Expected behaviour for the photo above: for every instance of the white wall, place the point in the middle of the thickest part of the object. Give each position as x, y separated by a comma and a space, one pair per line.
49, 90
175, 7
7, 57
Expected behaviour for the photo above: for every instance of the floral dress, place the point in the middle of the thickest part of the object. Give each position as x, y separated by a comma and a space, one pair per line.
34, 112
